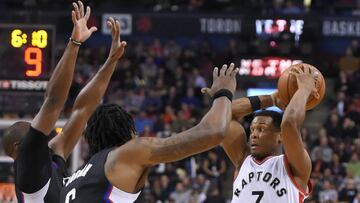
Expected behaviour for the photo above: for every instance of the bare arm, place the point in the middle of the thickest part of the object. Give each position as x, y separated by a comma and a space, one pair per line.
235, 143
294, 116
204, 136
222, 167
242, 107
89, 98
60, 81
205, 167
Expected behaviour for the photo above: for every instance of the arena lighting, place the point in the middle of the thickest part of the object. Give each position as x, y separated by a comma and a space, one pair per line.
270, 67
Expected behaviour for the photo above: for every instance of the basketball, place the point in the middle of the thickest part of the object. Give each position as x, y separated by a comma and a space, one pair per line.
287, 86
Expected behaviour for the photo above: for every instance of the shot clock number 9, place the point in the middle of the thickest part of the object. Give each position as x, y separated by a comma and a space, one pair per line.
26, 51
32, 55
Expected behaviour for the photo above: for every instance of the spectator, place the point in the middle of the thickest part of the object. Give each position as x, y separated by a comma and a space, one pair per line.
348, 193
190, 99
323, 150
328, 194
349, 63
147, 132
142, 121
349, 131
169, 115
291, 8
181, 195
166, 132
149, 71
215, 197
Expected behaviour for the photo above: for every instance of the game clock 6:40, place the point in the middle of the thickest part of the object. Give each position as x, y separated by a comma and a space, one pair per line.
26, 52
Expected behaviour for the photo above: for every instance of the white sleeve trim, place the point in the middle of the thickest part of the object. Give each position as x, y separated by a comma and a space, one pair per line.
36, 197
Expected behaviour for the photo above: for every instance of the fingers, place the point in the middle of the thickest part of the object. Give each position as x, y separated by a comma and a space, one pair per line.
205, 90
77, 12
111, 25
93, 29
234, 73
73, 16
87, 14
215, 73
223, 70
117, 30
230, 69
307, 69
81, 8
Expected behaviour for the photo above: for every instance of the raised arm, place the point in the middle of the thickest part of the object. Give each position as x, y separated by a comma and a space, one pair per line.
293, 118
207, 134
60, 81
89, 97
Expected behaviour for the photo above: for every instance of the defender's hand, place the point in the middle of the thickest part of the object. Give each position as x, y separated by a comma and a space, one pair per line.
80, 31
117, 46
306, 78
223, 79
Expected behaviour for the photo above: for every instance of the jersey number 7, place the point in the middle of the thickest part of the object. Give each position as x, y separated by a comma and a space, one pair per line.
260, 195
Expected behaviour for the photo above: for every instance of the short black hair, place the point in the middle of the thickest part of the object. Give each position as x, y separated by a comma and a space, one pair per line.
108, 126
13, 135
276, 117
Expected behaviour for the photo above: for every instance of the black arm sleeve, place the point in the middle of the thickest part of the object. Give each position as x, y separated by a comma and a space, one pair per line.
33, 162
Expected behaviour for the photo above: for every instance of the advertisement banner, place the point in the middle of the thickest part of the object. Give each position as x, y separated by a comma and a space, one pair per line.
341, 27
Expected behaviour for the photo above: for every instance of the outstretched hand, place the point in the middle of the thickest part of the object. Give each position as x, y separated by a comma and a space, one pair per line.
306, 78
225, 79
117, 46
79, 18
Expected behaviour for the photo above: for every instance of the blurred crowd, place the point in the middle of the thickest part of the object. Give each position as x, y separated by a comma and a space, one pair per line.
160, 82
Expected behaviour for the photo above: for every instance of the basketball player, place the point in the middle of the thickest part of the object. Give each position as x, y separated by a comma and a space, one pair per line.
39, 168
120, 162
263, 173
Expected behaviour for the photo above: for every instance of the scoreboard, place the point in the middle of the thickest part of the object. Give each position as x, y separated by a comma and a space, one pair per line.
26, 56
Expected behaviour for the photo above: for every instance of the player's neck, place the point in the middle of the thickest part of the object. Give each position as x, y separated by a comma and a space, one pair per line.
262, 158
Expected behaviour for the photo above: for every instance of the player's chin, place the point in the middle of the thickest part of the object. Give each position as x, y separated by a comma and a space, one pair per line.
255, 152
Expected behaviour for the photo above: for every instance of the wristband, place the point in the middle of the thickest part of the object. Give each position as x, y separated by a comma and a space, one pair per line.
223, 93
77, 43
255, 103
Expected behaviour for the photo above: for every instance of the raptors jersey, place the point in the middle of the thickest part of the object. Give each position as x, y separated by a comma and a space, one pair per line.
89, 184
267, 182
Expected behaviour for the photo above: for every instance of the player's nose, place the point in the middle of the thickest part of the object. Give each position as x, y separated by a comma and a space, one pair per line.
254, 135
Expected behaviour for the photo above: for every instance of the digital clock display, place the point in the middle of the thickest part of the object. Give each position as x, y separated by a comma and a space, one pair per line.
26, 52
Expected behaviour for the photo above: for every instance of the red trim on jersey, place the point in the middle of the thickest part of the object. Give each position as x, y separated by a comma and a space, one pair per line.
108, 194
309, 184
261, 161
301, 197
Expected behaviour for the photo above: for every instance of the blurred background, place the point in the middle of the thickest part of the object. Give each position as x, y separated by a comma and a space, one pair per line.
172, 49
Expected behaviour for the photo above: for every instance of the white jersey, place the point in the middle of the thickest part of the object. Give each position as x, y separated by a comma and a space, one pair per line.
268, 181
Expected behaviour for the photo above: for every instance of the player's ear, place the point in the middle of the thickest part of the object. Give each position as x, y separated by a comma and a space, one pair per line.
279, 138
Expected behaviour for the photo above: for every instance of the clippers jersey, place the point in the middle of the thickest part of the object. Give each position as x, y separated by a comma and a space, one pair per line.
89, 184
50, 192
268, 181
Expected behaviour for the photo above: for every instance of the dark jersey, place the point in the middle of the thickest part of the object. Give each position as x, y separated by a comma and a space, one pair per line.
58, 173
89, 184
39, 172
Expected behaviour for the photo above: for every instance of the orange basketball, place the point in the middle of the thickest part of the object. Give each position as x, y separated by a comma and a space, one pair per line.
287, 86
